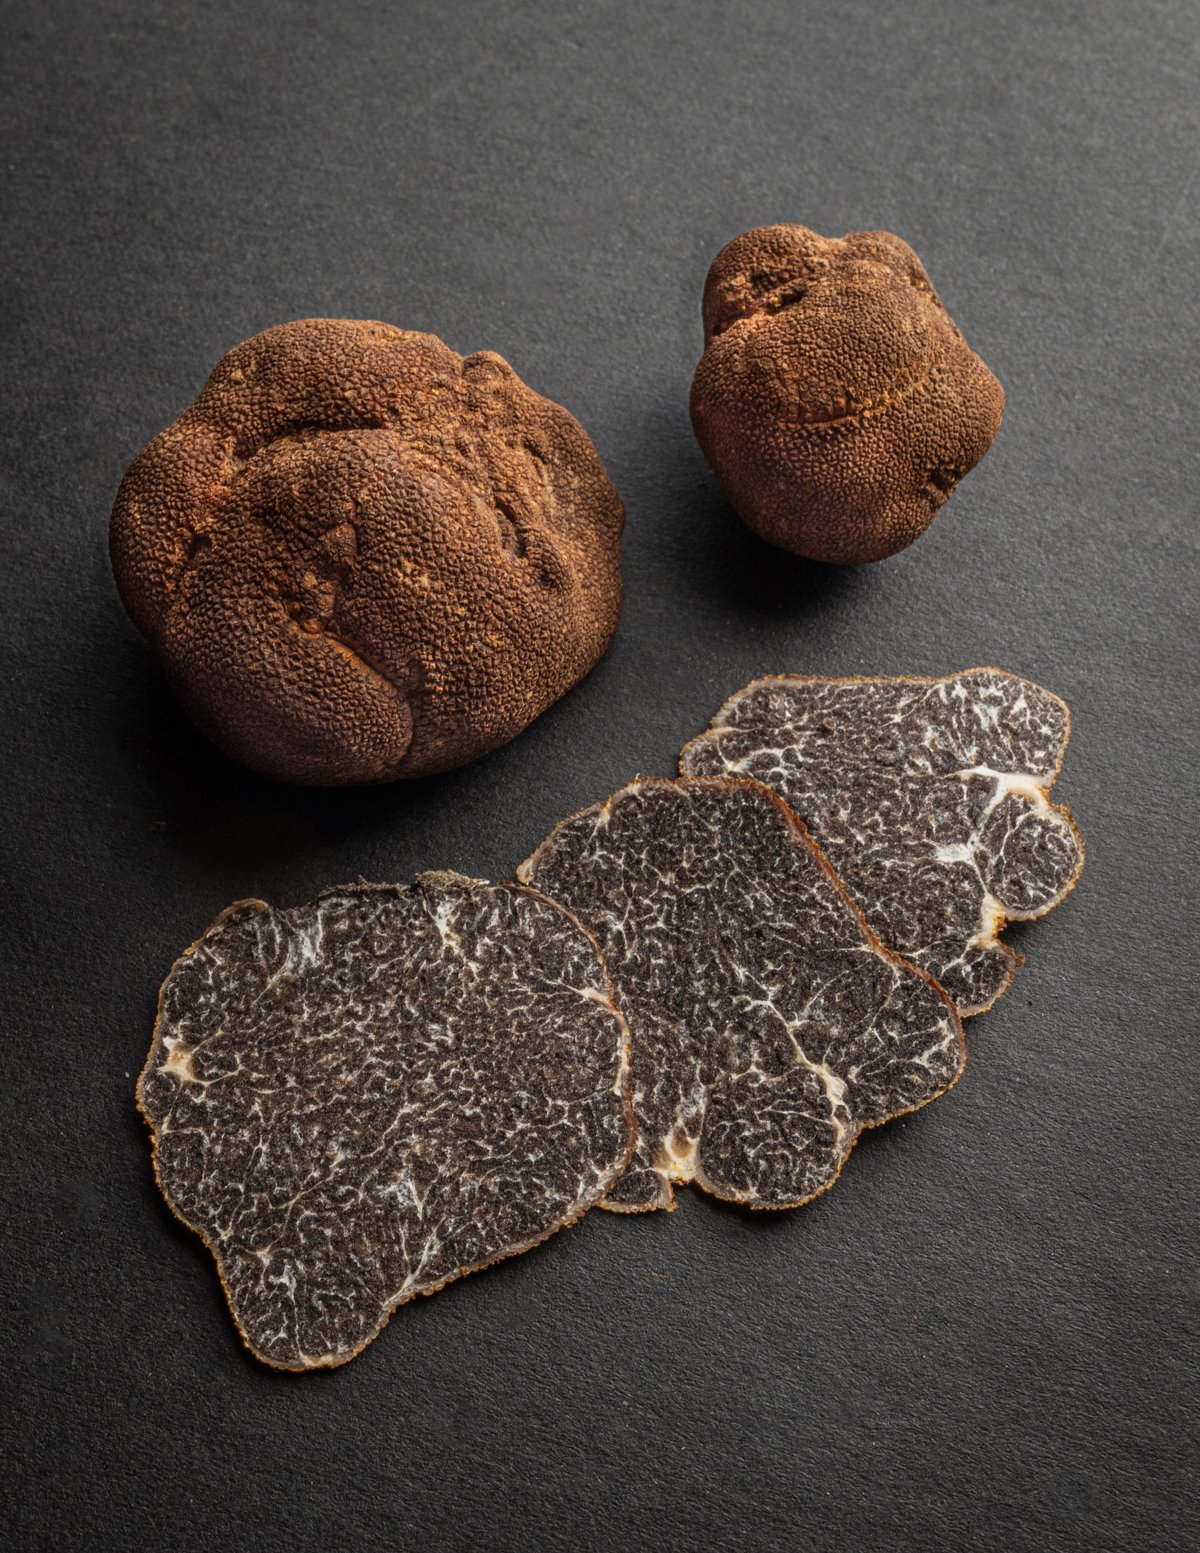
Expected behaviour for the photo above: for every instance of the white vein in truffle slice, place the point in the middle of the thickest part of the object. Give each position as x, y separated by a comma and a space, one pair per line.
929, 798
358, 1100
768, 1026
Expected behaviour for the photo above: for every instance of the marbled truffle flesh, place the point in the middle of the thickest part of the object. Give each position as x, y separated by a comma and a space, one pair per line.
836, 400
768, 1026
361, 556
358, 1100
929, 798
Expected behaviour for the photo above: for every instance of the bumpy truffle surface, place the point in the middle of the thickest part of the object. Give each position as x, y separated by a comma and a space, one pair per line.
358, 1100
836, 401
768, 1026
928, 796
362, 556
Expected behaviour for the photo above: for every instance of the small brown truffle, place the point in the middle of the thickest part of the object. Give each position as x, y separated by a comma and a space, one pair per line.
836, 401
929, 797
361, 556
358, 1100
768, 1026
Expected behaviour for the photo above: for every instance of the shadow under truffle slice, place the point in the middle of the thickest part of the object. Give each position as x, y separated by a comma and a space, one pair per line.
361, 556
928, 796
768, 1027
358, 1100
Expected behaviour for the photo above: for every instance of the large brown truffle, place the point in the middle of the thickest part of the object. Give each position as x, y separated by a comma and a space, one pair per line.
929, 797
358, 1100
769, 1027
361, 556
836, 401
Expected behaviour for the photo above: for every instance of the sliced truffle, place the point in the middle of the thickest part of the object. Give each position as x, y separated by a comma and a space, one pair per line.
358, 1100
768, 1026
836, 401
928, 796
361, 556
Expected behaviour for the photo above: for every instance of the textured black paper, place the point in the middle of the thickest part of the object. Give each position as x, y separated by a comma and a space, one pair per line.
984, 1336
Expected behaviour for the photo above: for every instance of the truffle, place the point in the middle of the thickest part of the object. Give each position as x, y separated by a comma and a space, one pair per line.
357, 1101
768, 1026
928, 796
836, 401
362, 556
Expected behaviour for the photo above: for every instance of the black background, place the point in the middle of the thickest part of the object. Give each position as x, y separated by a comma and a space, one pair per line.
984, 1337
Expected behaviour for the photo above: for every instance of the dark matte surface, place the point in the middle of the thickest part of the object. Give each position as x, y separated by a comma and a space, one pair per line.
985, 1338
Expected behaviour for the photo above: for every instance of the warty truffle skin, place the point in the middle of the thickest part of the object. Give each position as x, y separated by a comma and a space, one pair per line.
836, 401
361, 556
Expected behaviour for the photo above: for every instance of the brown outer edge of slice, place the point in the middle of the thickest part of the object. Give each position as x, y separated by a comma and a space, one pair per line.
1002, 921
801, 831
518, 1250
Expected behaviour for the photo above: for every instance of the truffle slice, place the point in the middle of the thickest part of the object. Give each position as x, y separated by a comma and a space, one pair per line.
768, 1025
361, 556
928, 796
357, 1101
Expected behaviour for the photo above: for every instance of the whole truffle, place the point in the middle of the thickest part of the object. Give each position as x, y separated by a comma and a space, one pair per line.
836, 401
362, 556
